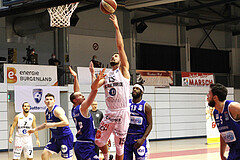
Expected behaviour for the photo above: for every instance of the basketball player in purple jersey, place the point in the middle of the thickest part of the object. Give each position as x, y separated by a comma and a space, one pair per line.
116, 84
140, 126
227, 118
84, 146
62, 137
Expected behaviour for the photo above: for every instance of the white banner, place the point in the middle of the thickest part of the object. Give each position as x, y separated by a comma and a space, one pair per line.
35, 96
84, 75
192, 79
33, 75
155, 78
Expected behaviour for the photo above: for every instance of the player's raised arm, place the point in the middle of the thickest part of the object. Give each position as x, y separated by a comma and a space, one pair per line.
120, 45
94, 88
99, 78
92, 71
93, 76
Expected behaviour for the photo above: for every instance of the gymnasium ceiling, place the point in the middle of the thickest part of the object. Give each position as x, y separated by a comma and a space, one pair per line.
207, 14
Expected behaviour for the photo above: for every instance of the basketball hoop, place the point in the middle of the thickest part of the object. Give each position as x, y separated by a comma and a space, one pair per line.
60, 15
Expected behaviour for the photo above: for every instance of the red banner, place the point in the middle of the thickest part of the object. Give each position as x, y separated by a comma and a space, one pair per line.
197, 79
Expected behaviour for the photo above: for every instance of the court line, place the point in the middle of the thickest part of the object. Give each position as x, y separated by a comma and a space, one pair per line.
182, 153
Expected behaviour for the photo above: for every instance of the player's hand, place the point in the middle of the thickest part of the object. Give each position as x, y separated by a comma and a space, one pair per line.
101, 74
91, 68
30, 131
74, 74
38, 143
139, 143
10, 140
113, 18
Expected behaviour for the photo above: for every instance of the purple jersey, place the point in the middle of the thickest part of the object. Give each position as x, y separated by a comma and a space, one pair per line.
138, 119
57, 132
228, 127
84, 125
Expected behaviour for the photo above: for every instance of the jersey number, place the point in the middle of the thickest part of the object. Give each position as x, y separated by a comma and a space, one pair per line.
221, 120
122, 141
30, 152
112, 91
133, 108
79, 124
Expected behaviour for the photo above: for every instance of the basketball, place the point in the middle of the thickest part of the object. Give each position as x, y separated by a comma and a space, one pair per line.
108, 6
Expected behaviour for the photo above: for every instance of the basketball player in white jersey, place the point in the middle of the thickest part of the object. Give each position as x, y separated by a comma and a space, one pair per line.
23, 141
116, 84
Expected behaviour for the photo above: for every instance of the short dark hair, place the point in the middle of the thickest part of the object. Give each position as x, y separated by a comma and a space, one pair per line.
219, 90
49, 95
24, 103
72, 97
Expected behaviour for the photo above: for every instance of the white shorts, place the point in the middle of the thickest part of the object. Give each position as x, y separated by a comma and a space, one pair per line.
116, 122
23, 143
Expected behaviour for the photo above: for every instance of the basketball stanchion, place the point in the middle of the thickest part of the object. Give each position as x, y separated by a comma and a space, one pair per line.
60, 15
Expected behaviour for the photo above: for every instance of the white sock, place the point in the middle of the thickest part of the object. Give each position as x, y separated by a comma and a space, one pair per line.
105, 156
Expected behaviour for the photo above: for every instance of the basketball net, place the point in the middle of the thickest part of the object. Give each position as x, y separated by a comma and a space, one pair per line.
60, 15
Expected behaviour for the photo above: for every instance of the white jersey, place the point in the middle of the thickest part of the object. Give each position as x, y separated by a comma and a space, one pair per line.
24, 124
116, 90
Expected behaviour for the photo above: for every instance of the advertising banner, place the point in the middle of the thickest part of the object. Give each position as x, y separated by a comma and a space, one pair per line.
84, 74
155, 78
31, 75
193, 79
35, 96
